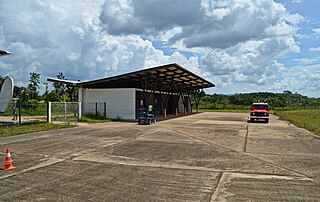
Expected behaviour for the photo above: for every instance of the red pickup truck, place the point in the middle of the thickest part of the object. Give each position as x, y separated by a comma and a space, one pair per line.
259, 111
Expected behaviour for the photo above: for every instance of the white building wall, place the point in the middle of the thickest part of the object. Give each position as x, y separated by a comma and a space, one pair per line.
181, 106
119, 102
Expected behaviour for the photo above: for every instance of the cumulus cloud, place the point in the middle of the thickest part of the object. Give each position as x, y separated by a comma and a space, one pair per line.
236, 38
214, 24
148, 16
315, 49
307, 61
226, 41
247, 61
48, 38
307, 82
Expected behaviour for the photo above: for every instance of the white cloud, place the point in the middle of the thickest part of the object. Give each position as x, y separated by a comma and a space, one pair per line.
294, 18
236, 38
307, 61
280, 68
315, 49
296, 1
286, 84
236, 41
306, 82
247, 61
214, 24
72, 42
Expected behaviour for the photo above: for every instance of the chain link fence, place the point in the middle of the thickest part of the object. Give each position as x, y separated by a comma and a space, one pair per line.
23, 113
63, 111
72, 111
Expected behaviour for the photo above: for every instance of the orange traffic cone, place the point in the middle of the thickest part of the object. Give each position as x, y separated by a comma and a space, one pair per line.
8, 161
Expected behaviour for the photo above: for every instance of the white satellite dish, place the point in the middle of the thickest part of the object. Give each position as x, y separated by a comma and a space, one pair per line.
6, 92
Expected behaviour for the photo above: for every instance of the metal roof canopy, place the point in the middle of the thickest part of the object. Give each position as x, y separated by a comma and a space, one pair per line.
63, 81
167, 78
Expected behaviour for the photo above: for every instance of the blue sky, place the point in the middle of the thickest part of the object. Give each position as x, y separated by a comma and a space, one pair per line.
239, 45
307, 37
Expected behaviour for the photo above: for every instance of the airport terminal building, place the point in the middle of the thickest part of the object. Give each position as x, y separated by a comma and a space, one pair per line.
171, 89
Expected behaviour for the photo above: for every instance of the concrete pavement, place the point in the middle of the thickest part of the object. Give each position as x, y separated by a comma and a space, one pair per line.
202, 157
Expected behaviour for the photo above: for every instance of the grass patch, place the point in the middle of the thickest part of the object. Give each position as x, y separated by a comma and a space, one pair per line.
308, 119
92, 118
24, 129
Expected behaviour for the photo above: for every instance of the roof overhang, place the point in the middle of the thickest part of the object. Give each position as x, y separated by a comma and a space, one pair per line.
166, 78
3, 53
63, 81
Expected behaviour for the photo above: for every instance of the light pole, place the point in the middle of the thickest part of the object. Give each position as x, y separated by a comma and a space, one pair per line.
14, 110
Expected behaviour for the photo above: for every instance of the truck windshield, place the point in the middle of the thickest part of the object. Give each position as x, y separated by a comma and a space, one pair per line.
260, 107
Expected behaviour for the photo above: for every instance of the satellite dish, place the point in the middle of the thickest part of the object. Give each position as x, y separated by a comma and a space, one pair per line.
6, 92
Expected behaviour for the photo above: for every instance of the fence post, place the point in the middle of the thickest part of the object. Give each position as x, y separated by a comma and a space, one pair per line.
49, 112
79, 106
65, 111
105, 110
19, 112
96, 108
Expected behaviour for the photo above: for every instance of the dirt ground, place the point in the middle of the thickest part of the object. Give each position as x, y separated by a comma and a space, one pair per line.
201, 157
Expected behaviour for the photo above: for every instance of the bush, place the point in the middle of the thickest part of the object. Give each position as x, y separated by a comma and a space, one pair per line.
93, 118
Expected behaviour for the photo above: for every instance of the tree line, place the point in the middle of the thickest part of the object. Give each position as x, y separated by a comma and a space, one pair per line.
31, 95
284, 100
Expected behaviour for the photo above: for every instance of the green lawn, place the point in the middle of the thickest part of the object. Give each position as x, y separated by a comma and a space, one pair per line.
94, 118
308, 119
24, 129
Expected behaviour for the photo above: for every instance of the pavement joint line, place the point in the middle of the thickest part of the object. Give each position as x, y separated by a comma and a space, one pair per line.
215, 194
227, 176
49, 182
40, 165
37, 137
120, 160
242, 153
286, 154
72, 157
264, 176
141, 163
215, 188
57, 142
183, 167
246, 139
132, 139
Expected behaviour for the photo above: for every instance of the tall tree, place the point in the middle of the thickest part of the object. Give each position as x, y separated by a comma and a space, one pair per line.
59, 87
46, 87
33, 86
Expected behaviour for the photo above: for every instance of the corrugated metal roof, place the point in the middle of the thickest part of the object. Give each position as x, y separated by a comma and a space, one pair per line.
170, 77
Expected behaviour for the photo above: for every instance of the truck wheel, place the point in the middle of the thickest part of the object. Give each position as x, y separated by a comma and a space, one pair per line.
266, 120
251, 120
